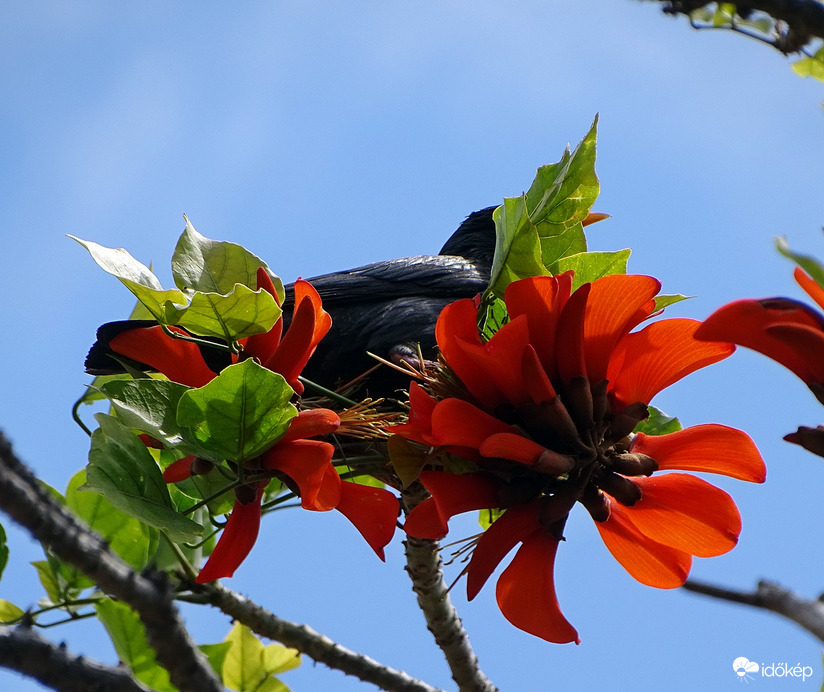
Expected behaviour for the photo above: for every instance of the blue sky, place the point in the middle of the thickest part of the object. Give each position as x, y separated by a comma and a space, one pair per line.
324, 136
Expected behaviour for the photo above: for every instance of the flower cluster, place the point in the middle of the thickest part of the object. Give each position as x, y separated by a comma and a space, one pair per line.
303, 464
786, 330
545, 412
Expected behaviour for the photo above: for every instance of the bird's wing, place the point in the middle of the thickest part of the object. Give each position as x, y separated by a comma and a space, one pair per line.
440, 276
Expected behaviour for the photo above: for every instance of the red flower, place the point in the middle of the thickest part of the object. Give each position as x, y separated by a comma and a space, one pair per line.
785, 330
182, 361
555, 394
304, 464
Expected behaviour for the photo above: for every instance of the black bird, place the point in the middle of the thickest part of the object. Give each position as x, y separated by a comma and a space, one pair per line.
385, 308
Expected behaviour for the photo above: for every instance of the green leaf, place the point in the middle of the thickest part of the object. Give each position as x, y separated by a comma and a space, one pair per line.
9, 613
240, 413
129, 538
664, 301
486, 517
658, 423
811, 66
239, 313
234, 312
48, 580
589, 266
129, 639
124, 472
4, 551
249, 665
809, 264
407, 458
216, 653
545, 224
213, 266
148, 405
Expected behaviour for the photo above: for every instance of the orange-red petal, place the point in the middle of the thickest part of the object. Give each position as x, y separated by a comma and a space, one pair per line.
451, 494
456, 422
373, 511
616, 304
307, 463
749, 323
648, 561
809, 285
178, 470
526, 591
512, 446
710, 448
569, 342
262, 346
178, 359
457, 328
311, 423
686, 513
541, 299
310, 323
647, 361
506, 532
236, 541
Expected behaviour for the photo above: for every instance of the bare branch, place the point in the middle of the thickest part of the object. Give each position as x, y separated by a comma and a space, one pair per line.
25, 651
804, 18
423, 563
809, 614
23, 499
303, 638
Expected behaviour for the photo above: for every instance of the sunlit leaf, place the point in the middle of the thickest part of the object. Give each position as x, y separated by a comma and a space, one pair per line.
486, 517
231, 313
809, 264
129, 639
811, 66
249, 665
663, 301
48, 580
240, 413
214, 266
122, 470
241, 312
589, 266
658, 423
545, 224
9, 613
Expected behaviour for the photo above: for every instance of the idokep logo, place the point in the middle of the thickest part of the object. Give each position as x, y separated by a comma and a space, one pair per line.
747, 670
744, 668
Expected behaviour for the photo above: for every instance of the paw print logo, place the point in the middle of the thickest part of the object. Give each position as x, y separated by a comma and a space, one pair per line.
744, 668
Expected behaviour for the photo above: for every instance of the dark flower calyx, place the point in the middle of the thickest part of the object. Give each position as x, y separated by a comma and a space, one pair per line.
621, 488
626, 421
633, 464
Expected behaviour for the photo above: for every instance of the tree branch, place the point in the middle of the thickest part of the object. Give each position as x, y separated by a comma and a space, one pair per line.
25, 501
303, 638
804, 17
25, 651
423, 564
770, 596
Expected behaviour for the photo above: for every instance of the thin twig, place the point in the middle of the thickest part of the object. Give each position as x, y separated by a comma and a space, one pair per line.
809, 614
301, 637
423, 564
25, 501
